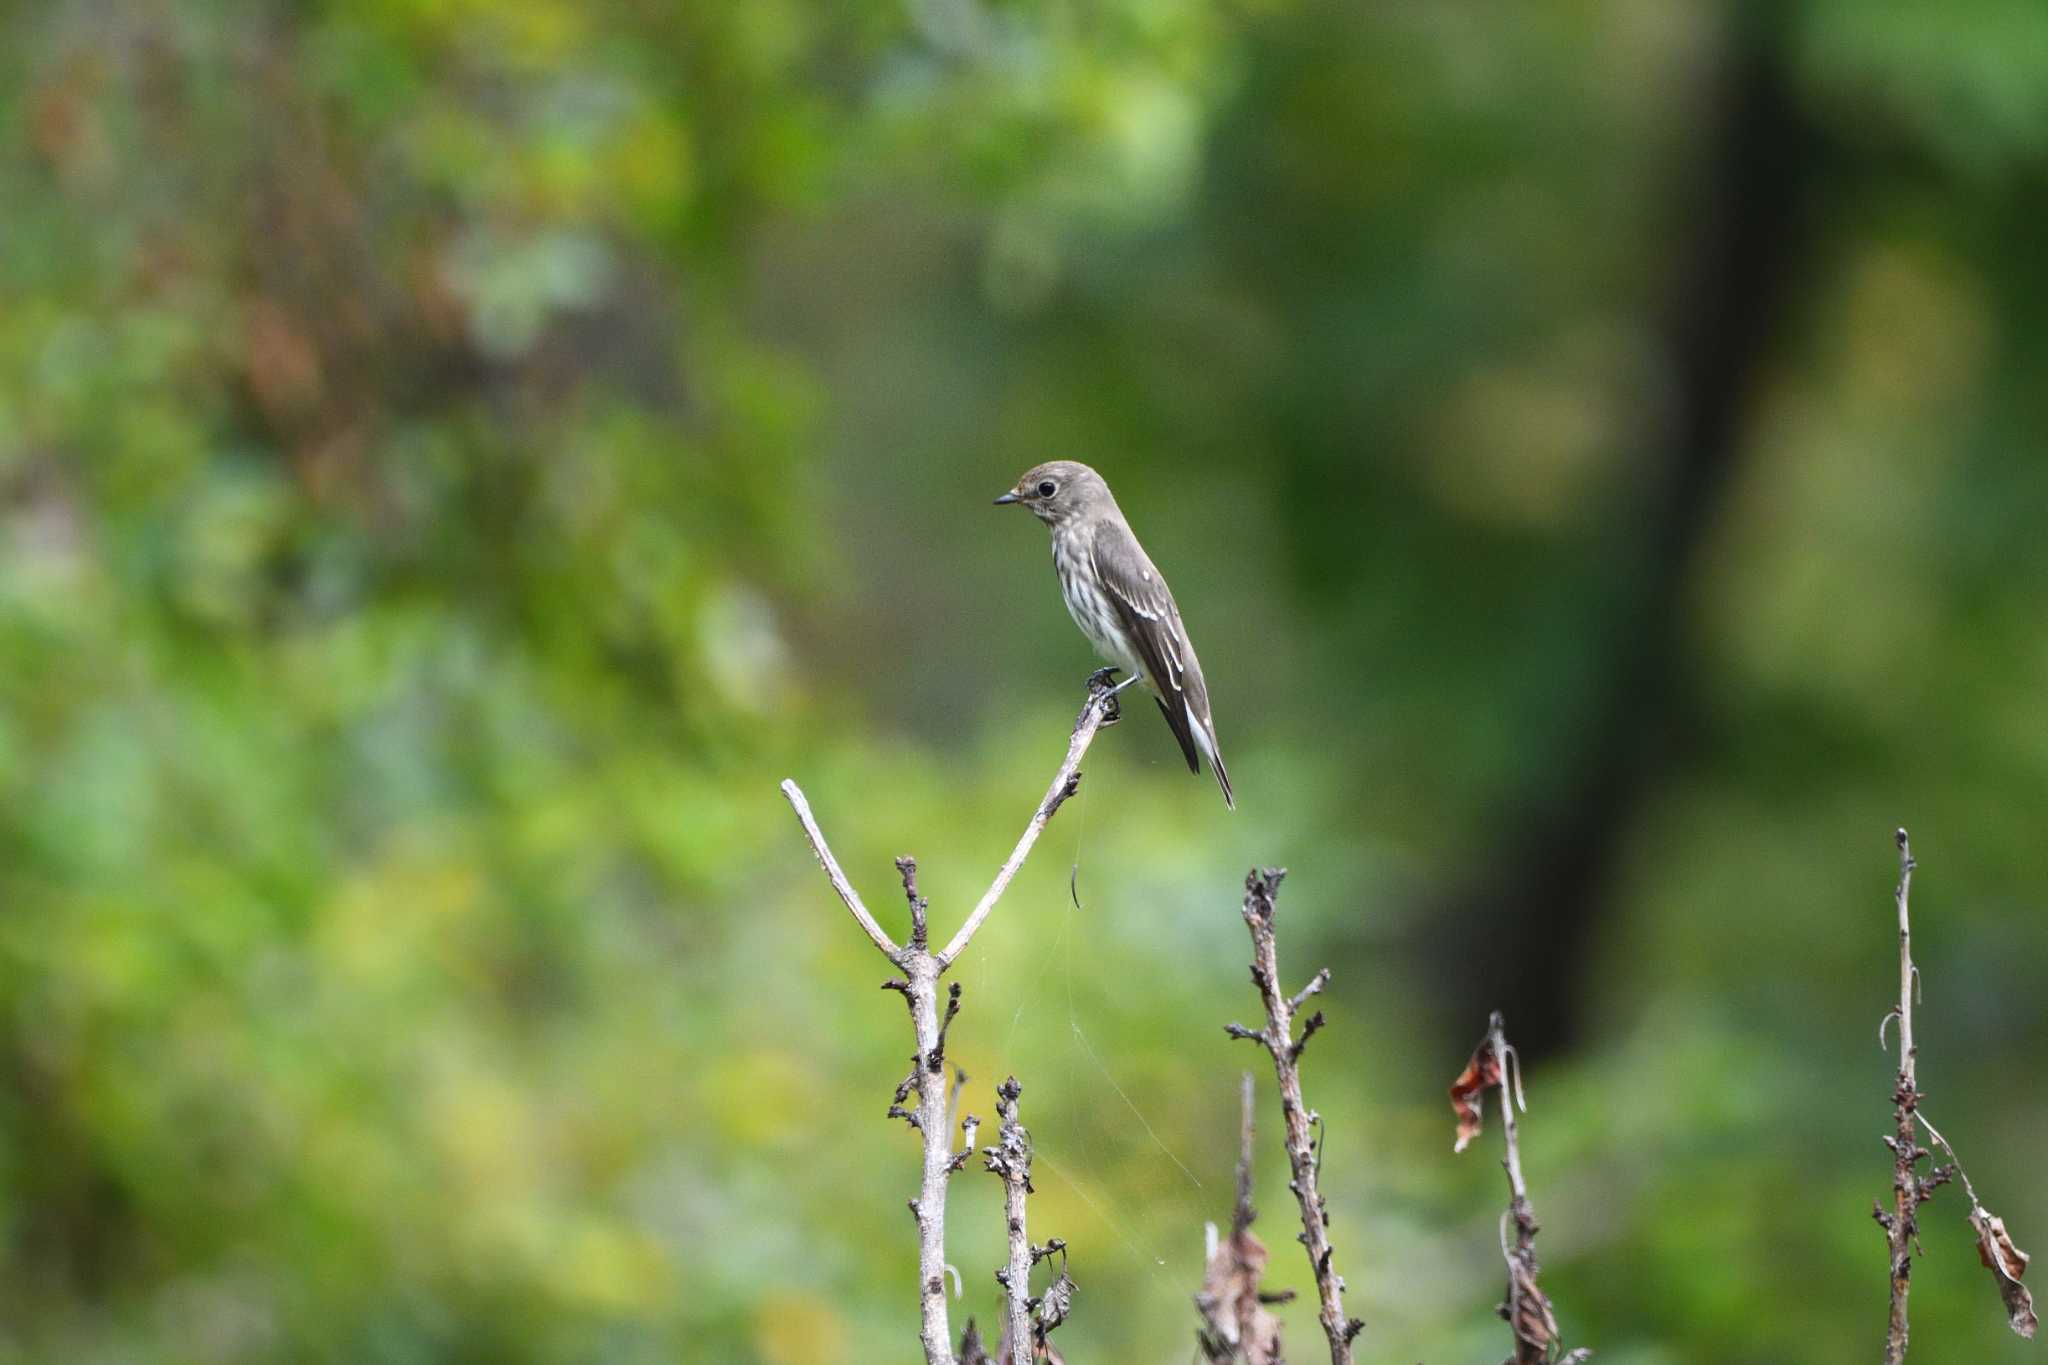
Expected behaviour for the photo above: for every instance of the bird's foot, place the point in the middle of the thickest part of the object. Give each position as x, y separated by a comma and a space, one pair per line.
1099, 685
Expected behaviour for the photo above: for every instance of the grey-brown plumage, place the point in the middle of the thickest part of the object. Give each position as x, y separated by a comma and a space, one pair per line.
1121, 602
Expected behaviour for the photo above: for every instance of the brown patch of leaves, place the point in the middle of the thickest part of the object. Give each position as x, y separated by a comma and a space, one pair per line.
2007, 1263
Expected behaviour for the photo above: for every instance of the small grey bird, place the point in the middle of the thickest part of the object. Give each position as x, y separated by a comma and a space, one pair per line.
1121, 602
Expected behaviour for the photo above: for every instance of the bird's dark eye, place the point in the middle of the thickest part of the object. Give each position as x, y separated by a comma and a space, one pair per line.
1046, 488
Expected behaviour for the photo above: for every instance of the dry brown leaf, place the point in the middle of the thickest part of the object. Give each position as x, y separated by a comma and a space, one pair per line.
2007, 1263
1468, 1092
1527, 1311
1230, 1299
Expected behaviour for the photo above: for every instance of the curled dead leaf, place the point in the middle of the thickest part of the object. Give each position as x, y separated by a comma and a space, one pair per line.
1056, 1303
2007, 1263
1527, 1311
1468, 1092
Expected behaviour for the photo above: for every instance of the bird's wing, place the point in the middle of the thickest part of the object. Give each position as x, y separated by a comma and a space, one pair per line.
1145, 606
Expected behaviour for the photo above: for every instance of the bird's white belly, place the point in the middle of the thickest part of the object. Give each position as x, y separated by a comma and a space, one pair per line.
1092, 611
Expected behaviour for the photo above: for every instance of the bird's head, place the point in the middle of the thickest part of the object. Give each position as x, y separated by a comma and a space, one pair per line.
1058, 491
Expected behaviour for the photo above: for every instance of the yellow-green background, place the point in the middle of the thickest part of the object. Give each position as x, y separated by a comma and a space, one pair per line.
456, 457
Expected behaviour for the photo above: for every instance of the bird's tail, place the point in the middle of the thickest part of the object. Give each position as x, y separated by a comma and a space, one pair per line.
1205, 740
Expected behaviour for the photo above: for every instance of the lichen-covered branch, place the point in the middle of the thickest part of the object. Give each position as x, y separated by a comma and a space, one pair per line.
1280, 1042
921, 969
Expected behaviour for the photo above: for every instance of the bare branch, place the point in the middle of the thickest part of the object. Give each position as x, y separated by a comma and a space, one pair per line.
969, 1126
837, 875
933, 1115
1095, 712
1028, 1322
1309, 1028
920, 929
1910, 1189
1527, 1309
934, 1103
1245, 1214
1010, 1159
1901, 1226
1955, 1162
1237, 1326
1260, 888
1314, 987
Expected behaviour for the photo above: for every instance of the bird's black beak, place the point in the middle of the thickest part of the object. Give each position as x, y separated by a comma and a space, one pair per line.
1006, 499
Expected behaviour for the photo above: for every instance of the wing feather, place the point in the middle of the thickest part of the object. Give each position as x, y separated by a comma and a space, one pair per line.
1146, 610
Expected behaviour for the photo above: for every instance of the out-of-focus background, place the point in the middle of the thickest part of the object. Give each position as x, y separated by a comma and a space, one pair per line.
456, 457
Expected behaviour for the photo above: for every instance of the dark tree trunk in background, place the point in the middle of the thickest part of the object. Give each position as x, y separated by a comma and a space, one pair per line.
1523, 929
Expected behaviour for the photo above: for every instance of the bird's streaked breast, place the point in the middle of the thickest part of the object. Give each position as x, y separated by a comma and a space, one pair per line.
1091, 609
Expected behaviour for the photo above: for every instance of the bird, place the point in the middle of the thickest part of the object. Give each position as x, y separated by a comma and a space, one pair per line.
1120, 600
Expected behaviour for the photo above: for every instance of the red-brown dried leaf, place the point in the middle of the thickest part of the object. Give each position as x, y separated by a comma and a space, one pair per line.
2007, 1263
1468, 1092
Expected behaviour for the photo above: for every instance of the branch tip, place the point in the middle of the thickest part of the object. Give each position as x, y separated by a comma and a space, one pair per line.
1260, 887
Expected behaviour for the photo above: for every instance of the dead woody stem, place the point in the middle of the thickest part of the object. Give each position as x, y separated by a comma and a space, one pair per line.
921, 969
1902, 1226
1010, 1159
1238, 1326
1526, 1309
1910, 1189
1278, 1039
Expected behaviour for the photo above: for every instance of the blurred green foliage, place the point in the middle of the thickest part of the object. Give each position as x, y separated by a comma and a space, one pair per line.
455, 457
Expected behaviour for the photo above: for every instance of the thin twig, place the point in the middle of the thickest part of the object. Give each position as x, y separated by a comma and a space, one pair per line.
1496, 1068
1238, 1327
837, 875
1902, 1226
1243, 1216
1277, 1038
1955, 1162
1910, 1189
920, 930
1097, 711
1527, 1309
